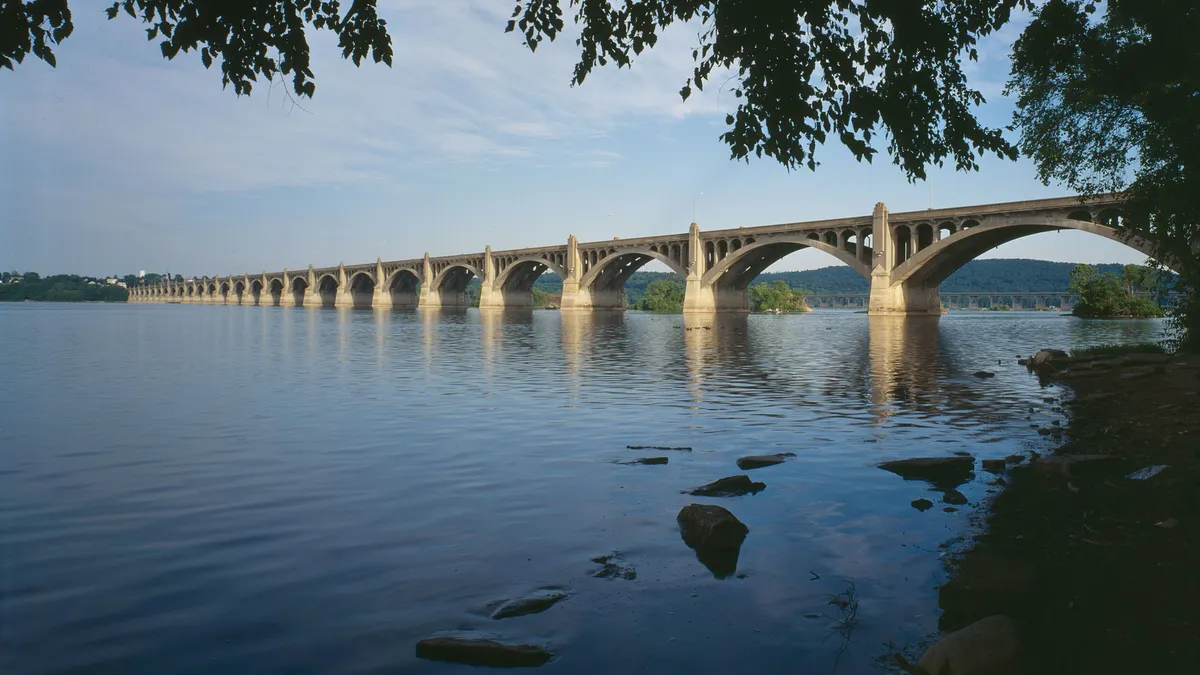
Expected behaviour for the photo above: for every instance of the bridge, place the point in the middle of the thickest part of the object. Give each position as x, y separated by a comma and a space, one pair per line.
1063, 300
904, 255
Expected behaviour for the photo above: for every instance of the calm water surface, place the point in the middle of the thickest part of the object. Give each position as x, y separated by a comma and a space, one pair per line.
189, 489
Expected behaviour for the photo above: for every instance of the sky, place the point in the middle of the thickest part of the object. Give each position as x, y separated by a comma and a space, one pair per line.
119, 160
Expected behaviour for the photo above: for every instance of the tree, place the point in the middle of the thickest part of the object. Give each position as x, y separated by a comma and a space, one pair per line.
777, 296
808, 70
663, 295
1109, 103
1104, 294
247, 39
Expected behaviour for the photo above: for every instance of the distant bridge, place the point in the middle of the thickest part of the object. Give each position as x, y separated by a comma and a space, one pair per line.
904, 255
958, 300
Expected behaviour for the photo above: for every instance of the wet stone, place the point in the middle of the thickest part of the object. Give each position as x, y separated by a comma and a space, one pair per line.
479, 649
922, 504
954, 497
537, 601
730, 486
943, 472
759, 461
647, 460
984, 374
994, 465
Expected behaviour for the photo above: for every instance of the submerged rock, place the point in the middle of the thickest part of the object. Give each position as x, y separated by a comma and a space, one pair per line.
613, 568
678, 448
983, 374
730, 486
759, 461
942, 472
480, 649
922, 504
987, 647
537, 601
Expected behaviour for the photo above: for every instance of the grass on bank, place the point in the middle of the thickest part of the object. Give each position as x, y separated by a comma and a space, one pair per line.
1120, 349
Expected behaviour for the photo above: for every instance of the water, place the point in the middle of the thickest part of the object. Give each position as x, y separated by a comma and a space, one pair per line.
189, 489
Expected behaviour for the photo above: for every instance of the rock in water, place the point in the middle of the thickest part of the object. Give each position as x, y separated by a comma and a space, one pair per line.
984, 374
612, 568
759, 461
715, 535
994, 465
648, 460
538, 601
704, 525
922, 504
942, 472
954, 497
730, 486
987, 647
481, 650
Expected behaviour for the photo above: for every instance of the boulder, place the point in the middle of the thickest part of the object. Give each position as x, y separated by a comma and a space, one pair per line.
480, 649
1047, 361
716, 536
759, 461
537, 601
710, 526
942, 472
987, 647
730, 486
922, 504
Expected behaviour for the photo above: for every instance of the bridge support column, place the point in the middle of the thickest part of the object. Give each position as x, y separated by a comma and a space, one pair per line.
901, 297
570, 288
490, 297
312, 294
343, 297
698, 297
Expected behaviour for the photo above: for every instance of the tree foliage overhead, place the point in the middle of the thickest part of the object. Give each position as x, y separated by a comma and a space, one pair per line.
248, 39
1110, 102
809, 70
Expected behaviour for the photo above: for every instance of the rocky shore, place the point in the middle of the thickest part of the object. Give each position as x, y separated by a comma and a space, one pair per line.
1090, 559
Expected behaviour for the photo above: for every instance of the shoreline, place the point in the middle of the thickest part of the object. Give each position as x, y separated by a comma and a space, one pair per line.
1097, 570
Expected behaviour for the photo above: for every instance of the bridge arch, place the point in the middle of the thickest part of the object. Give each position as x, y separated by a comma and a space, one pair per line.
256, 291
739, 268
239, 291
362, 289
931, 265
450, 284
224, 289
404, 287
520, 274
299, 286
275, 290
327, 288
608, 273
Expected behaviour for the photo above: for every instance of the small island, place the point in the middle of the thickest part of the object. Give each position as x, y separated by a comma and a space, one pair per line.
1104, 295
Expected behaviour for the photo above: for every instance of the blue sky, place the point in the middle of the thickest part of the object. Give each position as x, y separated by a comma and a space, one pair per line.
119, 160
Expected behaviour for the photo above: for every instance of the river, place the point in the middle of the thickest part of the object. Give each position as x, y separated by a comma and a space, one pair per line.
195, 489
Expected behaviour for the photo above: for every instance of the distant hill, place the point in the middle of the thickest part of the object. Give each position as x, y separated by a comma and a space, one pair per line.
1013, 275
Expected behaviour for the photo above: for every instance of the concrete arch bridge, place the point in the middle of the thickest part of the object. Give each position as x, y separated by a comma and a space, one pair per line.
904, 255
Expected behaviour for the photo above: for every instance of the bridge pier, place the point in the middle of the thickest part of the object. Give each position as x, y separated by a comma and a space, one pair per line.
888, 297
